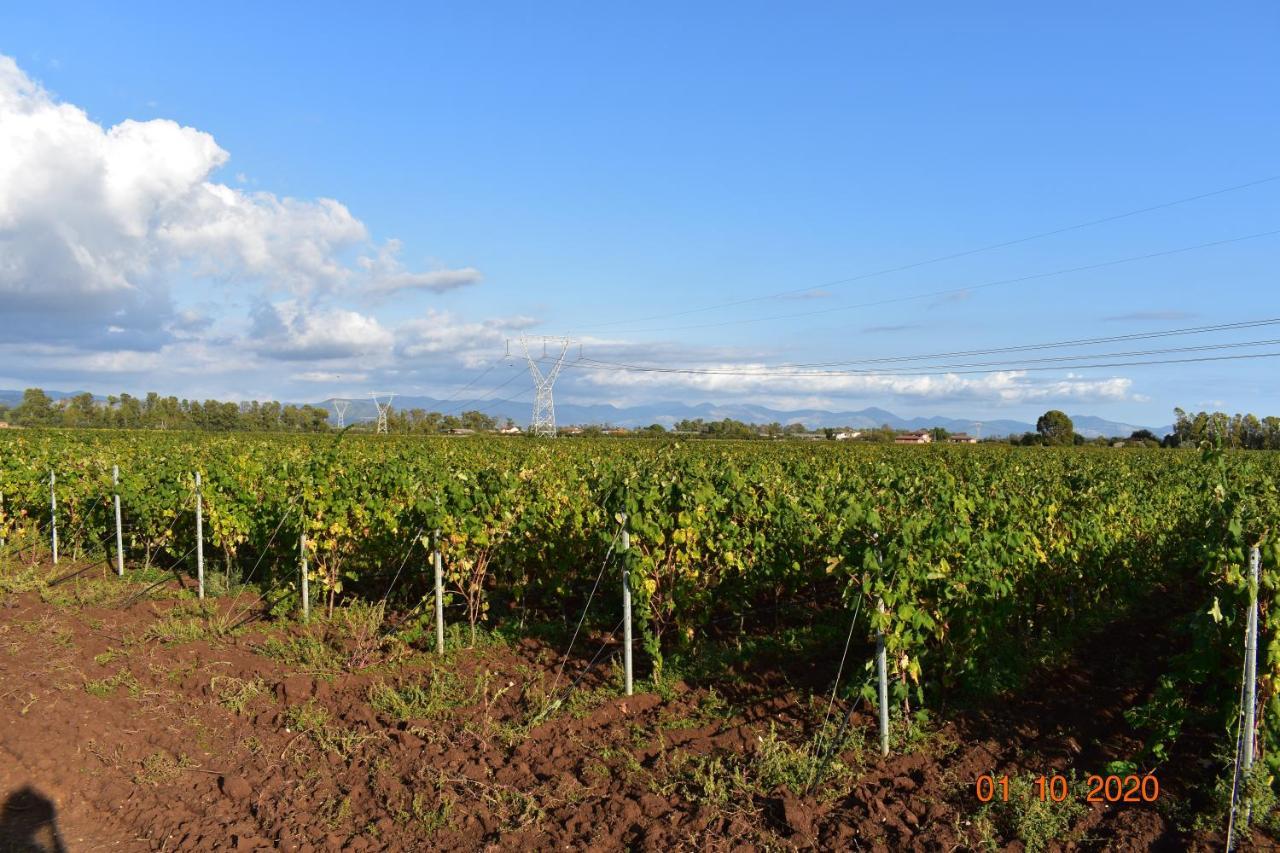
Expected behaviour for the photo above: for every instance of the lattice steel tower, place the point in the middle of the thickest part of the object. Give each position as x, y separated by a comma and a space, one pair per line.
383, 408
544, 406
340, 409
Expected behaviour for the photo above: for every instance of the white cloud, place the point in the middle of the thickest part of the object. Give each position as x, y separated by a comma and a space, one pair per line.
440, 334
1008, 387
101, 223
387, 274
329, 378
284, 331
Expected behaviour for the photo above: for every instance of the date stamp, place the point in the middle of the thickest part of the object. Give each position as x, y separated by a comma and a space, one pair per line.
1131, 788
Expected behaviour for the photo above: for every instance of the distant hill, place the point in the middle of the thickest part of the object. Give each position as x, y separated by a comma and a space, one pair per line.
669, 413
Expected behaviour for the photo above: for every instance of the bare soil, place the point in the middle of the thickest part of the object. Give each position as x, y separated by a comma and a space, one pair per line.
151, 725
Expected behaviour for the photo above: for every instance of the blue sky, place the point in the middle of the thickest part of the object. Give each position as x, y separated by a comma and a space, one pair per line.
573, 168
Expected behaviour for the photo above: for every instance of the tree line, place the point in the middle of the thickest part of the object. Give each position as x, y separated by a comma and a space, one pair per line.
125, 411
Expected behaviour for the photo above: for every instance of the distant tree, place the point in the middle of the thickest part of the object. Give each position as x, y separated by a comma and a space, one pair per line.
478, 421
36, 409
939, 434
1055, 428
654, 429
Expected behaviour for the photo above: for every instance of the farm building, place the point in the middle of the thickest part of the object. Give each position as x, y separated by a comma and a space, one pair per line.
920, 436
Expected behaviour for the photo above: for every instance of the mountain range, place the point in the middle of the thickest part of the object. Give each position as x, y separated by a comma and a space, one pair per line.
668, 413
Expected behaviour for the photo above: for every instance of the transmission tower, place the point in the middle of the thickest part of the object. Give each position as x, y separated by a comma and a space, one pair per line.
340, 409
544, 407
383, 408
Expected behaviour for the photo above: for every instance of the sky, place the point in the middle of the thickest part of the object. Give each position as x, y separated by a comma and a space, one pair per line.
301, 201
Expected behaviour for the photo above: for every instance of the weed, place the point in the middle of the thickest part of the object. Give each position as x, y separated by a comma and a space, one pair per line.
109, 656
313, 720
335, 812
23, 580
779, 764
432, 701
1035, 822
303, 653
236, 694
920, 735
711, 707
361, 625
106, 686
161, 767
431, 819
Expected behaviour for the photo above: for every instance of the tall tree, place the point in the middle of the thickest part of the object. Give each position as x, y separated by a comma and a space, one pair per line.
1056, 428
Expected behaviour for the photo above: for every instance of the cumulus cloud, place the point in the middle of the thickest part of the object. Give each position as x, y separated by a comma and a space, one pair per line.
284, 331
472, 343
387, 274
99, 224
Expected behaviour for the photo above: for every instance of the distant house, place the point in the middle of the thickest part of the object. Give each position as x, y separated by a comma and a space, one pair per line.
920, 436
847, 435
4, 425
617, 431
961, 438
511, 430
573, 430
461, 431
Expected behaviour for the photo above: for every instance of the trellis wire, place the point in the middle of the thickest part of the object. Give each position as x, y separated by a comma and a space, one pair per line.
403, 562
582, 618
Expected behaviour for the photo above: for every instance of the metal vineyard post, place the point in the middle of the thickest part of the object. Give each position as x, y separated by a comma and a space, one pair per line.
439, 570
882, 675
53, 515
623, 547
199, 537
306, 592
115, 484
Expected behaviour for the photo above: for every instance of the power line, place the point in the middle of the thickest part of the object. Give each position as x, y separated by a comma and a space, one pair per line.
944, 370
951, 291
1132, 336
486, 372
948, 257
509, 380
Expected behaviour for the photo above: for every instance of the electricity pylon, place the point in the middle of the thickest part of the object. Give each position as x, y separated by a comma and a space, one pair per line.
340, 409
383, 408
544, 406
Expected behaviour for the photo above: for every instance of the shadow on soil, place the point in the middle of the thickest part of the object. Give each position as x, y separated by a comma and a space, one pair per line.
28, 824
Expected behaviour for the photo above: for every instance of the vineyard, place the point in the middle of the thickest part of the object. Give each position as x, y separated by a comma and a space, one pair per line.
974, 568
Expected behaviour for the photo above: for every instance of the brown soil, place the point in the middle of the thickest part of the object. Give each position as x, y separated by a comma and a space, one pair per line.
110, 739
